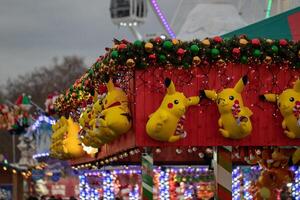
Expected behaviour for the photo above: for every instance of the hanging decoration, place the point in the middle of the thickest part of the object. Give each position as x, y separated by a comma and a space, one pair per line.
166, 123
111, 118
168, 53
288, 103
65, 143
234, 121
49, 103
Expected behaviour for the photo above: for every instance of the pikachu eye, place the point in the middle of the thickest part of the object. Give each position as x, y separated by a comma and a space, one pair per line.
176, 101
292, 99
231, 97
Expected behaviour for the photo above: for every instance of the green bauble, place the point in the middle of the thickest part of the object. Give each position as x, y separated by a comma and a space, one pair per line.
257, 53
274, 49
114, 54
186, 65
215, 52
194, 49
244, 59
162, 58
138, 43
91, 72
167, 45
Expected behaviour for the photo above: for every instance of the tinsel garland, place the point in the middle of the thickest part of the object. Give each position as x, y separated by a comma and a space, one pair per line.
124, 57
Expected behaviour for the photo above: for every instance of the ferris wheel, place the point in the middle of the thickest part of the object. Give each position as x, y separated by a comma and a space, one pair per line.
129, 13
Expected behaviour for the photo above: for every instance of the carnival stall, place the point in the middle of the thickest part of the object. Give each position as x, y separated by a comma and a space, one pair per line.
170, 95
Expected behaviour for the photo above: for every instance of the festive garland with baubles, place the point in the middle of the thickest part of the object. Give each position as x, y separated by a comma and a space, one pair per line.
125, 56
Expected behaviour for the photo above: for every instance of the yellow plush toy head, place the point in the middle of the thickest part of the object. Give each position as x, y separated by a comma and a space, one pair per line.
175, 102
115, 96
287, 100
229, 96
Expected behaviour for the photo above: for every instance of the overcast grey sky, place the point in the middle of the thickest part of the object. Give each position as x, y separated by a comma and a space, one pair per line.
32, 32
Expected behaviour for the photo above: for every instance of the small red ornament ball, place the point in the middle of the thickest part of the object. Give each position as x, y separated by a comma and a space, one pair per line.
122, 46
180, 51
283, 42
218, 39
152, 56
236, 51
158, 40
255, 42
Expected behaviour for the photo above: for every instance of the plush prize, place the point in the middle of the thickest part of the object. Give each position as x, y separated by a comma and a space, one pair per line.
65, 143
234, 121
165, 124
288, 103
114, 118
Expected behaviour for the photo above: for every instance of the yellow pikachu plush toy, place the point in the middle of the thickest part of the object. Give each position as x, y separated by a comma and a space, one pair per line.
288, 103
165, 124
234, 121
65, 143
114, 119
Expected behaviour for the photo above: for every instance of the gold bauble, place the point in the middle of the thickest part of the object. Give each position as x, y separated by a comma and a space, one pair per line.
148, 46
243, 42
206, 42
299, 54
175, 41
268, 59
221, 62
130, 63
269, 41
196, 60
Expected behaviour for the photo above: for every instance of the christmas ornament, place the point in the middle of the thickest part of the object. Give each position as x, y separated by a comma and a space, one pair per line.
180, 52
194, 49
162, 58
138, 43
235, 121
255, 42
274, 49
206, 42
175, 41
243, 42
236, 51
244, 59
215, 52
289, 105
299, 54
283, 42
166, 123
130, 63
148, 47
114, 54
122, 46
256, 53
218, 39
196, 60
158, 40
167, 45
269, 41
152, 56
268, 59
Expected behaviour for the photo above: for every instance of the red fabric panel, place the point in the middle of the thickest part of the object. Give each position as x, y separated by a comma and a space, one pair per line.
201, 121
294, 23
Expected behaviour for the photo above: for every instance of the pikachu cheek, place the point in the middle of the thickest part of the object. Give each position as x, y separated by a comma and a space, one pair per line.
170, 105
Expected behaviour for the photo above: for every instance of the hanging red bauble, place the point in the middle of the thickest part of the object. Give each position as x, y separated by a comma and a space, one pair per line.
157, 40
283, 42
122, 46
255, 42
236, 51
180, 52
218, 39
152, 56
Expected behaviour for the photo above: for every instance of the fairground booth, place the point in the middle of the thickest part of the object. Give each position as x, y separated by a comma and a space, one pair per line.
156, 119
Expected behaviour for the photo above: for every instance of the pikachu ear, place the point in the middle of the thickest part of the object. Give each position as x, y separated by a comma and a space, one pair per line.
297, 86
170, 86
239, 86
268, 97
110, 85
210, 94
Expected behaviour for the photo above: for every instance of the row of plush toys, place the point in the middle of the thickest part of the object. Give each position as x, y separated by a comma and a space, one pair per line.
109, 116
165, 124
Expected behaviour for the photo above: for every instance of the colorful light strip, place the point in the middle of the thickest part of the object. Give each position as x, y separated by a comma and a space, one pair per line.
269, 8
40, 119
162, 19
296, 184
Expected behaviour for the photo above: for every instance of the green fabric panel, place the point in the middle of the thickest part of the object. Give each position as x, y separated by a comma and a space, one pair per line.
275, 27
